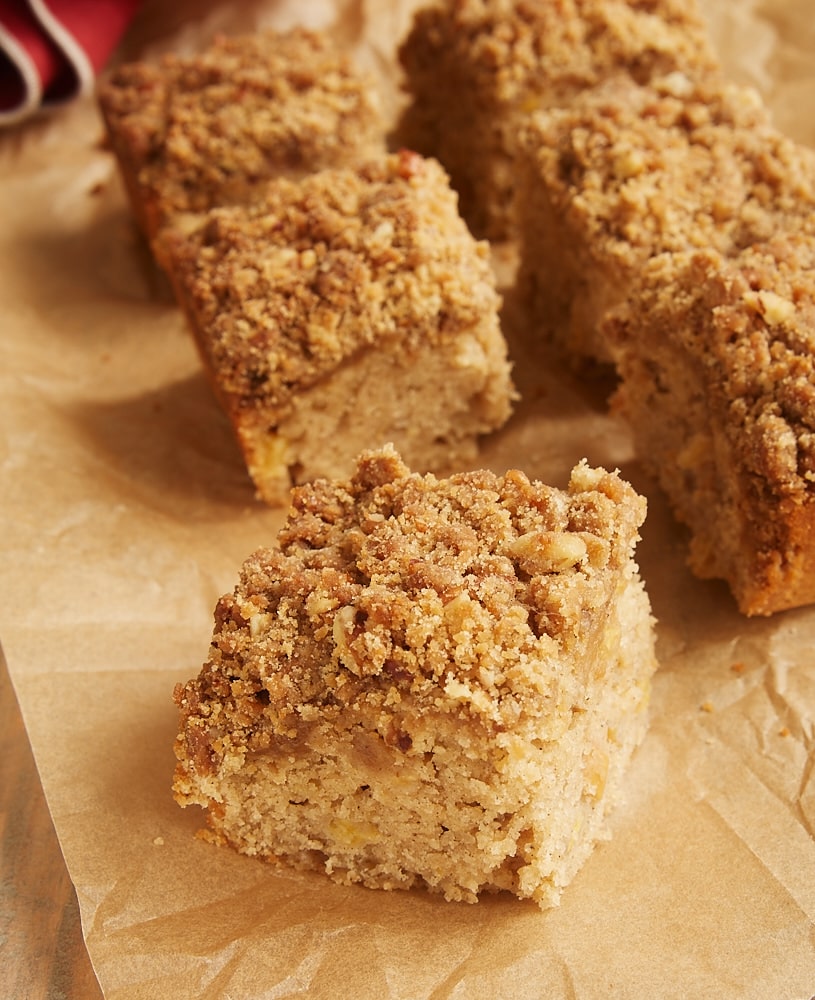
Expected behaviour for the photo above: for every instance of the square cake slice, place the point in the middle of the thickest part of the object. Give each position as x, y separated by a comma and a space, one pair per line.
717, 365
429, 682
474, 70
627, 172
192, 132
341, 312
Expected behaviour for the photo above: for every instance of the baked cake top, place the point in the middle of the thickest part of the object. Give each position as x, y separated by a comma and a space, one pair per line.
749, 323
672, 165
395, 597
515, 51
286, 289
202, 129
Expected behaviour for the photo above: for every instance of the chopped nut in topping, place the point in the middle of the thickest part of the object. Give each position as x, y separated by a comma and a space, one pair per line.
771, 307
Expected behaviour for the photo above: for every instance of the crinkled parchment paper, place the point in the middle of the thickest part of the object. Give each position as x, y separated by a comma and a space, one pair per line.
127, 513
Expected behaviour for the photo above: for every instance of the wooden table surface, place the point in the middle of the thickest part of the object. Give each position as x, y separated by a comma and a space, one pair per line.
42, 953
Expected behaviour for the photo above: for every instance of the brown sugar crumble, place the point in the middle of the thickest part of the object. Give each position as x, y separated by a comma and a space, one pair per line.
427, 682
192, 132
626, 172
476, 69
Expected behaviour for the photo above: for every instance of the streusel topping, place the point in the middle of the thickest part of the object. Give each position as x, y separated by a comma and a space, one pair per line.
291, 286
673, 165
393, 593
244, 109
512, 50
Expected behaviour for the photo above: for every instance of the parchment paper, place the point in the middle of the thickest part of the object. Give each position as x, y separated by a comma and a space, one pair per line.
126, 514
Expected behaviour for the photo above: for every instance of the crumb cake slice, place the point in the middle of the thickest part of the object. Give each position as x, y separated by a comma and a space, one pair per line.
427, 682
192, 132
717, 365
474, 69
341, 312
627, 172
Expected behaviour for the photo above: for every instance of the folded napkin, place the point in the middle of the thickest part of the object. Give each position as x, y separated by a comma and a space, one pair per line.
51, 50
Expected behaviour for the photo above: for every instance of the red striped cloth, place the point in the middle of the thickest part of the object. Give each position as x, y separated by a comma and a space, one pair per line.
52, 50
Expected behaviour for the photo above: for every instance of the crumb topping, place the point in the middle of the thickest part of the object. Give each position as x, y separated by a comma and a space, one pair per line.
394, 590
515, 51
673, 165
288, 288
200, 129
